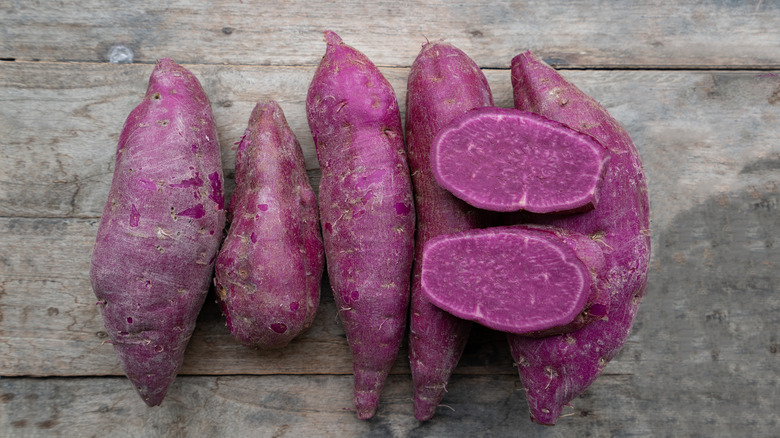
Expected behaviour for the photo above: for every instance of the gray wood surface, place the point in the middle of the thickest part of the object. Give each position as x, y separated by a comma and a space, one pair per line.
263, 32
696, 84
287, 406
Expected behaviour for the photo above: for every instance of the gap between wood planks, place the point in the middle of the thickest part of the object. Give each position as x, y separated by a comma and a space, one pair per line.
122, 376
602, 67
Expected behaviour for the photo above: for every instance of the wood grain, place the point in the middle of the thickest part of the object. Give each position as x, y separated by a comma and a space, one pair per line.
696, 84
581, 33
293, 406
695, 130
691, 320
50, 326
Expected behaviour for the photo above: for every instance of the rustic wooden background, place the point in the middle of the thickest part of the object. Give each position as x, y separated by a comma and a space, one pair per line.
695, 83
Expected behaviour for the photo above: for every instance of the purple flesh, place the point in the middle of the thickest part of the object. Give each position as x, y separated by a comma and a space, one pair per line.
503, 159
515, 280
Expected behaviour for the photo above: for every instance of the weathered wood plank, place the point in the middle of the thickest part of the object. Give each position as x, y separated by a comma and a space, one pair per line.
49, 324
62, 124
575, 33
709, 145
695, 130
297, 406
711, 305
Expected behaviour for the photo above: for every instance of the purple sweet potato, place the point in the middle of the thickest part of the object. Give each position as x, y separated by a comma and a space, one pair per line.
161, 228
366, 209
443, 84
269, 269
512, 279
503, 159
555, 369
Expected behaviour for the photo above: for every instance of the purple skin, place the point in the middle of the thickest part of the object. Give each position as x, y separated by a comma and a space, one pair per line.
269, 268
590, 253
443, 84
554, 370
511, 279
366, 210
503, 159
161, 228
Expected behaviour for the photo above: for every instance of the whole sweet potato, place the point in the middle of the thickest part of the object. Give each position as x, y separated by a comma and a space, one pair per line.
366, 209
161, 228
556, 369
443, 84
269, 269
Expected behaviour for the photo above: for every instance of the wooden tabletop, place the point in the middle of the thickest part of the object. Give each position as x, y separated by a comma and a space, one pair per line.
695, 83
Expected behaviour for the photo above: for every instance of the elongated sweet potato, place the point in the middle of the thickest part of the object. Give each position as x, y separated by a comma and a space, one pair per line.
512, 279
161, 228
269, 269
556, 369
503, 159
443, 84
366, 209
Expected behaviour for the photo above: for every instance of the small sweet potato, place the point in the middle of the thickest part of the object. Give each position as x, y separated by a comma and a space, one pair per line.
366, 210
503, 159
443, 83
555, 369
269, 269
161, 227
